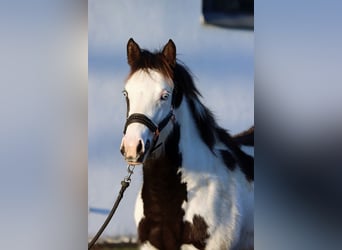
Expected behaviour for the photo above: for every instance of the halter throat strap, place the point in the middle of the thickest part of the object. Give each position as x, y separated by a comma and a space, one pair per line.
143, 119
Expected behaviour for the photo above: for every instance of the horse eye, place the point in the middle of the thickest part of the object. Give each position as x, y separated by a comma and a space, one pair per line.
124, 92
164, 96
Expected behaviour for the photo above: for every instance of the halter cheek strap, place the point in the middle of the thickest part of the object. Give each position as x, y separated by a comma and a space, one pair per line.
143, 119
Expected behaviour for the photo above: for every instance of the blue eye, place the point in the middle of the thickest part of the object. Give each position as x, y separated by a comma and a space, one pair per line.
164, 96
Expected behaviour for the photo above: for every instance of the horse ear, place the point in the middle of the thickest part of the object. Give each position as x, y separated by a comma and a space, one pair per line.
133, 52
169, 51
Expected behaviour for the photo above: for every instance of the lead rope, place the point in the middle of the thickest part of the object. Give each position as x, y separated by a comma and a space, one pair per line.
124, 185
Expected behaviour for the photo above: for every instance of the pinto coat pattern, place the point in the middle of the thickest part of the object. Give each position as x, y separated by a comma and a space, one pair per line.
198, 185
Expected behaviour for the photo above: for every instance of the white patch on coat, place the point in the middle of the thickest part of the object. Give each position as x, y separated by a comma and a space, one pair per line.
139, 209
147, 246
144, 90
188, 247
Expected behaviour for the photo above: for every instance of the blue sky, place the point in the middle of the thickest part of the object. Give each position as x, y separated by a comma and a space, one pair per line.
221, 60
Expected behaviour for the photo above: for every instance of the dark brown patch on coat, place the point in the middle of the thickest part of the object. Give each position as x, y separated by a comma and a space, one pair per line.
245, 161
163, 194
196, 233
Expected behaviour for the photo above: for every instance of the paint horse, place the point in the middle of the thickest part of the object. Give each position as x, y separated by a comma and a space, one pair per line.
198, 185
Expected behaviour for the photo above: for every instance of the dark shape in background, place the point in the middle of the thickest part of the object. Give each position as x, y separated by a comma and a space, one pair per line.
237, 14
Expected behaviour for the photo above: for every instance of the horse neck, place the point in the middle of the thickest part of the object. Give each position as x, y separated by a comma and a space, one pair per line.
196, 154
183, 149
181, 145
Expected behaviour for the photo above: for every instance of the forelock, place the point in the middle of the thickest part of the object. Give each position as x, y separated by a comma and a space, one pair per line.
152, 61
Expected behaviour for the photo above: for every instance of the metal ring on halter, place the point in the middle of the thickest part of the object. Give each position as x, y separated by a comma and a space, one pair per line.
130, 169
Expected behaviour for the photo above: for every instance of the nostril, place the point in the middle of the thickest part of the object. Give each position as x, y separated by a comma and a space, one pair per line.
140, 147
122, 150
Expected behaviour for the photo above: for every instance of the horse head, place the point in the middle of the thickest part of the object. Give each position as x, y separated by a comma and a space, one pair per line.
149, 96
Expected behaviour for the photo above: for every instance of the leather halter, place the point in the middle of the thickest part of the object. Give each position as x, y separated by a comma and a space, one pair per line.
143, 119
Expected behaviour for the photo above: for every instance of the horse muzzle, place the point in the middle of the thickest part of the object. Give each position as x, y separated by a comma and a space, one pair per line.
133, 147
134, 150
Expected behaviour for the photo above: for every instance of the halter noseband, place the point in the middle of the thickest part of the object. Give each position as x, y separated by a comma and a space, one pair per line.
143, 119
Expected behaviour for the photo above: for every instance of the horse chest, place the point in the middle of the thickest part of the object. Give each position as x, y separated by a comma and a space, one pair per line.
163, 224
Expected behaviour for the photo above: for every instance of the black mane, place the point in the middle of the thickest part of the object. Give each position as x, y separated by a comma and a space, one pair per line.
206, 124
148, 60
